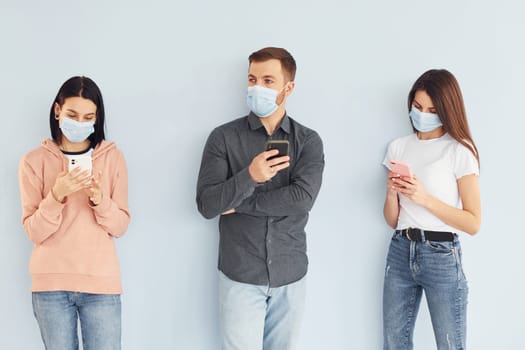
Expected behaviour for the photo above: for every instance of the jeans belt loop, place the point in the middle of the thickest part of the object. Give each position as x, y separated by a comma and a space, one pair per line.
422, 233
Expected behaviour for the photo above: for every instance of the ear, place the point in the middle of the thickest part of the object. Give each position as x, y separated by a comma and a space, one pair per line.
57, 110
289, 87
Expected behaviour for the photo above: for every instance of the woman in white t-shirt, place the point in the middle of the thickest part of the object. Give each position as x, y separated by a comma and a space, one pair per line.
429, 208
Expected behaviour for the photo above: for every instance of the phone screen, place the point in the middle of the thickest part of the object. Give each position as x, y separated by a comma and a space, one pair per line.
281, 145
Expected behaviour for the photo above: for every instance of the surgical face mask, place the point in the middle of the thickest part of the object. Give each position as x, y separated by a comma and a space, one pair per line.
262, 100
424, 122
76, 131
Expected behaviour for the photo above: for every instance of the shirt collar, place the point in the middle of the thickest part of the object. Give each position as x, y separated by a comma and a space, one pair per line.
255, 122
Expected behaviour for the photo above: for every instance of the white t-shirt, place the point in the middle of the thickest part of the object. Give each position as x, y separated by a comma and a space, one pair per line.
437, 164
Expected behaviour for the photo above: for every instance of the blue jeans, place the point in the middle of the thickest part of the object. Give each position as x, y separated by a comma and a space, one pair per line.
258, 317
432, 267
57, 314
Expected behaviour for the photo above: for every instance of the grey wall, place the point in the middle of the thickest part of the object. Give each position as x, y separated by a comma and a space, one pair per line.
170, 71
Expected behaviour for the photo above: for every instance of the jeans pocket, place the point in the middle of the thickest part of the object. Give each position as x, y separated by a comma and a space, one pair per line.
396, 236
440, 247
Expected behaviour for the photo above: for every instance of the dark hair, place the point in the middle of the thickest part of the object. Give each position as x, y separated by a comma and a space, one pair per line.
443, 89
287, 61
85, 88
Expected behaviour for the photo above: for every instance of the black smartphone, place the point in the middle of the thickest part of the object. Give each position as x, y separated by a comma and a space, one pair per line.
282, 146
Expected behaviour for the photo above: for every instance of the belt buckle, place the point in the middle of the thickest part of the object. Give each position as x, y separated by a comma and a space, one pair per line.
407, 233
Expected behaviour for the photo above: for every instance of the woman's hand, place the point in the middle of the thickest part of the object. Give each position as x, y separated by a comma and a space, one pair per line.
70, 182
95, 190
411, 188
391, 185
466, 219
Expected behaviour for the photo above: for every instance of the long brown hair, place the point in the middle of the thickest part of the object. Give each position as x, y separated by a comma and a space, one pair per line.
443, 89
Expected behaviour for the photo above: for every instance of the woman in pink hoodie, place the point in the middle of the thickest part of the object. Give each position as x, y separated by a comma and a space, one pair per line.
74, 192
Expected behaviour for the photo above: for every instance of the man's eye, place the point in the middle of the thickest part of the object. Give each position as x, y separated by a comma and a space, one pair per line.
268, 81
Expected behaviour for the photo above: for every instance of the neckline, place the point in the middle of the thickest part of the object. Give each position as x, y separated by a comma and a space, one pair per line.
70, 153
445, 135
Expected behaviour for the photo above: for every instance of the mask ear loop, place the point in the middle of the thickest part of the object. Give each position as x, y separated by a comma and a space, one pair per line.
285, 86
284, 95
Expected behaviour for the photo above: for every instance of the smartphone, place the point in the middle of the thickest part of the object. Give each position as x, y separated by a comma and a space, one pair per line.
400, 168
83, 162
283, 146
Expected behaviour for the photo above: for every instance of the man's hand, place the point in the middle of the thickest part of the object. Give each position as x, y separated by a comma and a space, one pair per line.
261, 169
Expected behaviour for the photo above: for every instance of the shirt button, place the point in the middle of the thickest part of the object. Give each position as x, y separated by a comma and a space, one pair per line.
270, 240
269, 262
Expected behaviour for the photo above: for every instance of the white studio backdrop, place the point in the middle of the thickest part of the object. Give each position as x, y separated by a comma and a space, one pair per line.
170, 71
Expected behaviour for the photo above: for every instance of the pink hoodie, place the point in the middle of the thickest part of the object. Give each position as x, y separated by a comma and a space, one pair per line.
74, 248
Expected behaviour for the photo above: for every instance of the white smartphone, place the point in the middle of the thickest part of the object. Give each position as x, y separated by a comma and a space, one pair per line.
84, 162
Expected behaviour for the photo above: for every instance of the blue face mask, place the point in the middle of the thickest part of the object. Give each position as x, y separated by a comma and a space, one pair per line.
76, 131
424, 122
262, 100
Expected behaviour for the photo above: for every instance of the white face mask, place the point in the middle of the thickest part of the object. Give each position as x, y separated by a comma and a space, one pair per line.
424, 121
76, 131
262, 100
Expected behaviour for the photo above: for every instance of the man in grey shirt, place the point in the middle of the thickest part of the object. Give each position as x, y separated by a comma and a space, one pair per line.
263, 199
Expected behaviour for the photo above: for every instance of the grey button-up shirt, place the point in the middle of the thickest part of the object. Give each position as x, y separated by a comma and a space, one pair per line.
264, 242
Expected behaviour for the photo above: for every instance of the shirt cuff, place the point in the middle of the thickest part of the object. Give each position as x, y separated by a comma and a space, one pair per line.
245, 181
51, 206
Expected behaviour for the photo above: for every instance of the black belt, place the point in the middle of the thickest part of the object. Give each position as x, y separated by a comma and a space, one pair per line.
416, 234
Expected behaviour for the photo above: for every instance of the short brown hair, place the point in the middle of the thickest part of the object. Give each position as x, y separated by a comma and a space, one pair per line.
287, 61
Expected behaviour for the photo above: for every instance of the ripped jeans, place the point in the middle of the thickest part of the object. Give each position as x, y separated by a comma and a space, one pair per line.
435, 268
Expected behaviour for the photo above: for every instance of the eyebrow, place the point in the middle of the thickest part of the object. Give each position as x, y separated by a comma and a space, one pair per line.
264, 76
419, 104
75, 112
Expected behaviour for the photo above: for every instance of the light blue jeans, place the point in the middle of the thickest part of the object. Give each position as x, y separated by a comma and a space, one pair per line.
57, 314
432, 267
258, 317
